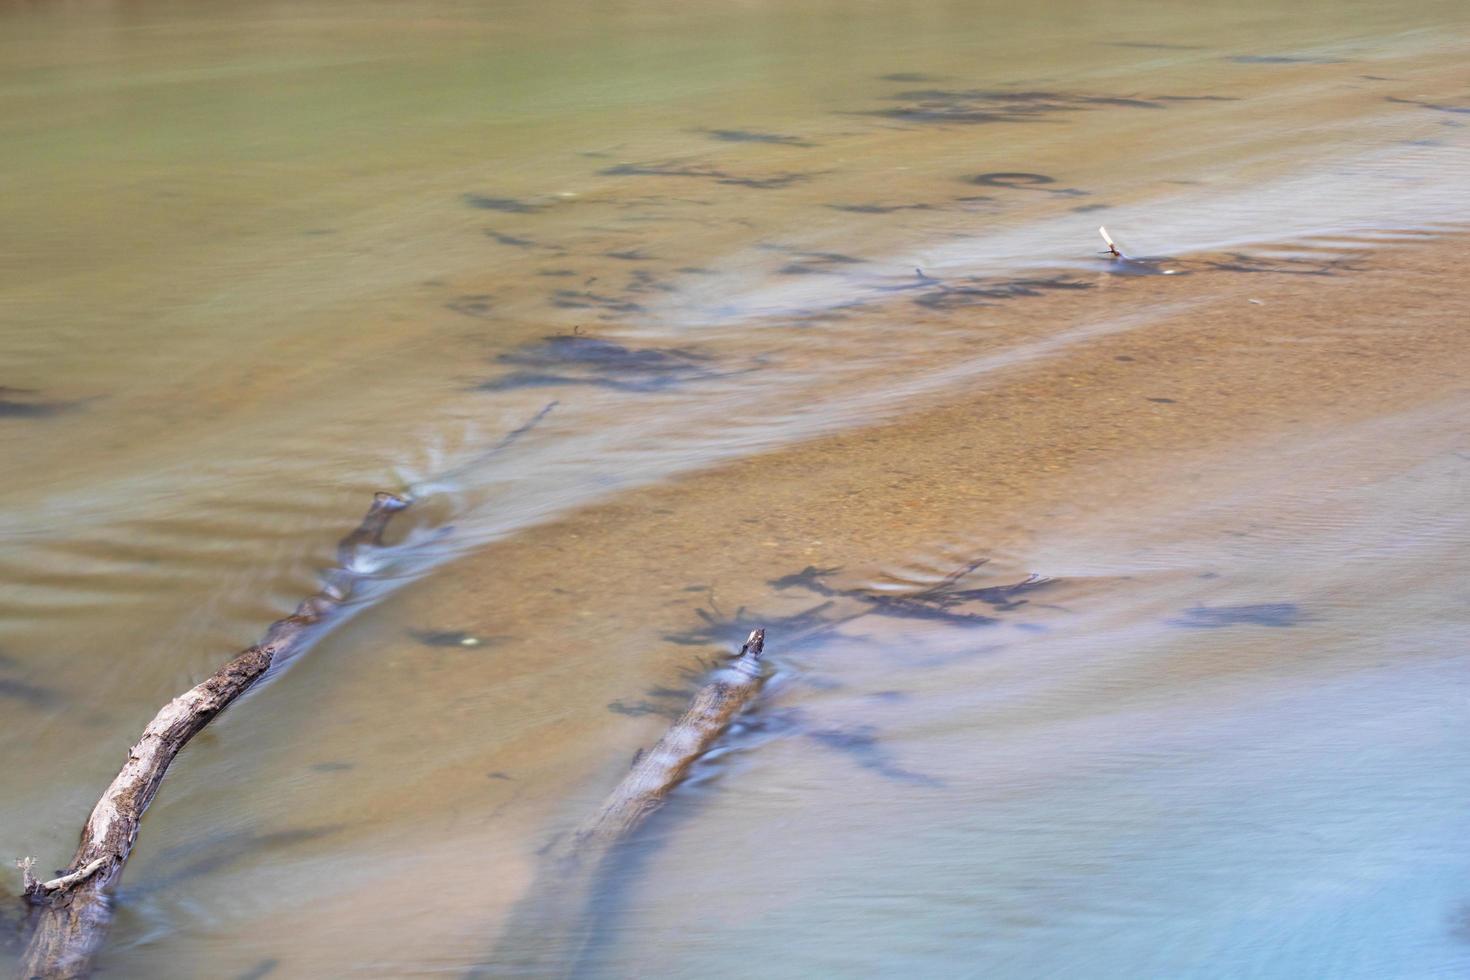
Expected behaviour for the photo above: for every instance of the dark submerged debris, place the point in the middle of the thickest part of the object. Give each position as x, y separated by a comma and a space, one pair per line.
1280, 59
643, 281
1002, 597
507, 205
718, 627
602, 355
511, 240
705, 172
22, 403
479, 305
660, 170
750, 136
944, 601
923, 607
1153, 45
981, 106
576, 359
912, 77
582, 299
1012, 179
1017, 181
954, 294
1436, 106
811, 578
774, 182
810, 263
860, 743
937, 601
1275, 614
880, 208
1241, 262
332, 767
830, 258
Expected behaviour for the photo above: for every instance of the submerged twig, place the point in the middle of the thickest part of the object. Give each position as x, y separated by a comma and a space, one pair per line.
509, 439
941, 601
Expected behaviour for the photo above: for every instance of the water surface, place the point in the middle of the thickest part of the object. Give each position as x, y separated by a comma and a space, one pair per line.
263, 259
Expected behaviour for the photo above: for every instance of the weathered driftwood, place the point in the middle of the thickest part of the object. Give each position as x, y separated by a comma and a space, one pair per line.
72, 912
662, 767
550, 930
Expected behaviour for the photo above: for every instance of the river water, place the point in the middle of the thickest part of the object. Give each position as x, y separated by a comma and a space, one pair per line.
812, 291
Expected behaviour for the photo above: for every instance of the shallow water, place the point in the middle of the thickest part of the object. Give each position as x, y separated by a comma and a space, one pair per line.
262, 260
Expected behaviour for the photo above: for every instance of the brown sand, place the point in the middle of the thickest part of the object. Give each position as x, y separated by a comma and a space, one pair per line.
1110, 428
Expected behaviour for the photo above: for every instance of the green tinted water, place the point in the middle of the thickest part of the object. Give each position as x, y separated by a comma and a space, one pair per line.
259, 260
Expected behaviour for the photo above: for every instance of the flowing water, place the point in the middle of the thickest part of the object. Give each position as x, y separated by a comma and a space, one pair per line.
813, 291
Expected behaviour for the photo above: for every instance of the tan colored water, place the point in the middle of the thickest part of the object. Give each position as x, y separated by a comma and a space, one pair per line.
261, 260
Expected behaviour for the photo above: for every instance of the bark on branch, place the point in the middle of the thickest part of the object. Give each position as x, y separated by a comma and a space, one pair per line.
664, 766
550, 930
73, 911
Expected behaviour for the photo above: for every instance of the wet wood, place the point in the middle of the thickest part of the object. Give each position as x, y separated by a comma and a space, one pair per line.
657, 771
551, 928
72, 912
